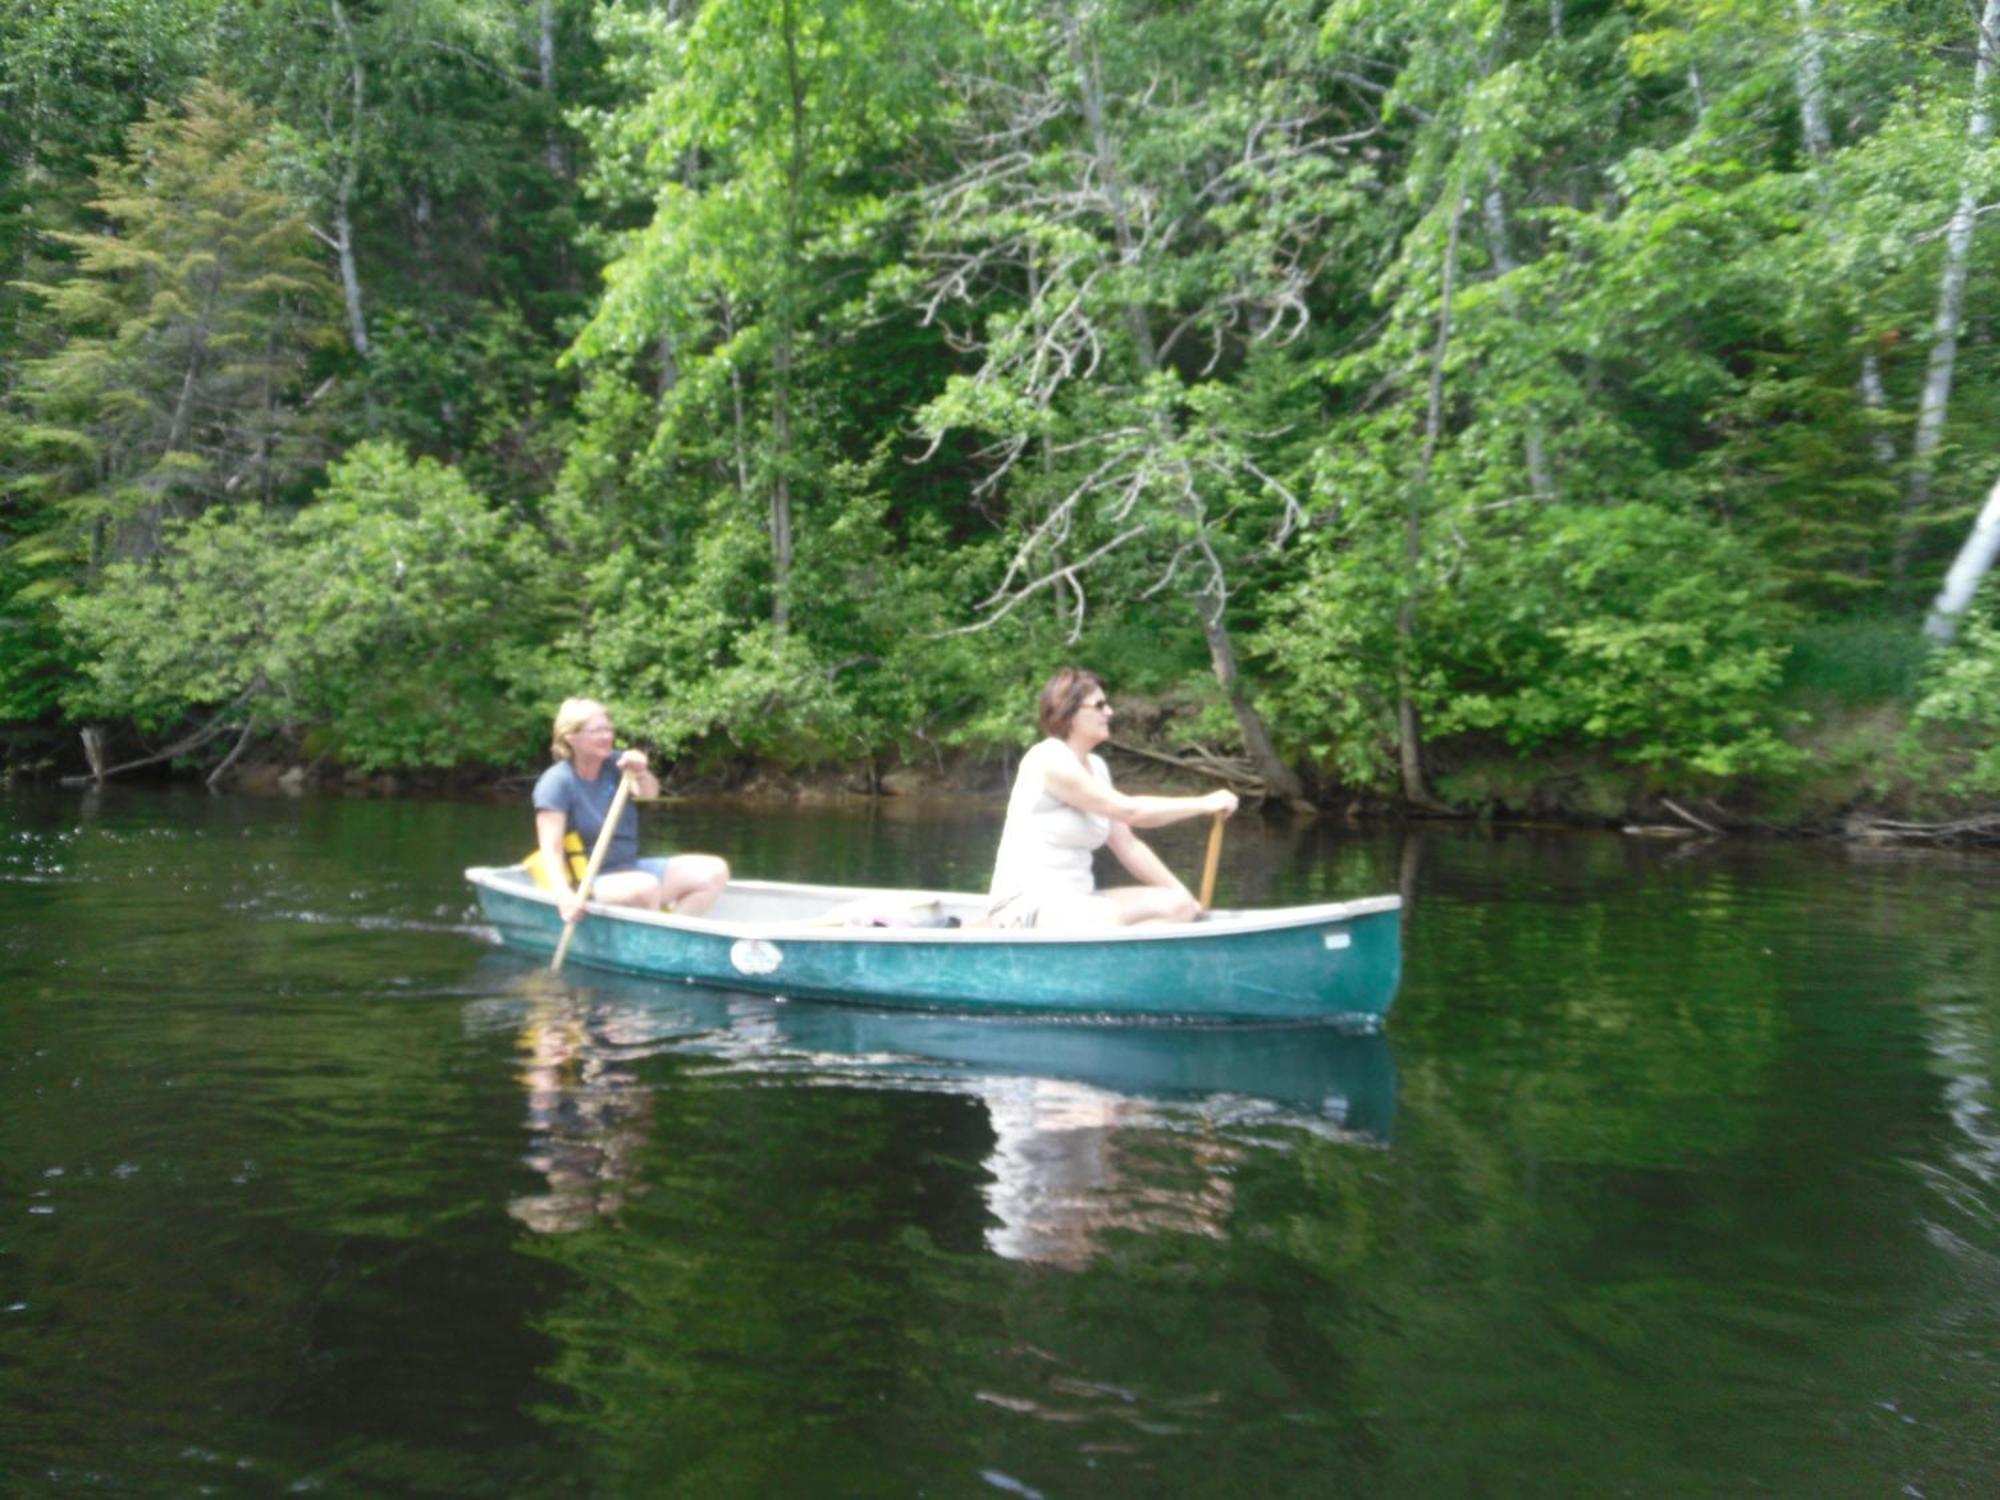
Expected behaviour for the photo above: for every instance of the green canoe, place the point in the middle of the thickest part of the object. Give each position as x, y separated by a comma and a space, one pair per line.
1339, 961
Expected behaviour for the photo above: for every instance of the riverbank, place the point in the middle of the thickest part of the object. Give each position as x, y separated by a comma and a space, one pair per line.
1852, 781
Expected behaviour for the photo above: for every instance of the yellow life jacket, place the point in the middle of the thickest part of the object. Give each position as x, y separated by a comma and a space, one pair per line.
573, 850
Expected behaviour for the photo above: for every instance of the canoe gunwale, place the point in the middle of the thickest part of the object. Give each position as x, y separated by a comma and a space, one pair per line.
1221, 923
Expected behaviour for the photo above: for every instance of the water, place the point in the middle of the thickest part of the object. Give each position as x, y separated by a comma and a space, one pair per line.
1676, 1173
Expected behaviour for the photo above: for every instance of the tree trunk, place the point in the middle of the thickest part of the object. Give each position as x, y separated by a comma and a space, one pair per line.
1951, 306
1257, 743
739, 418
1534, 451
343, 194
1409, 725
350, 274
1962, 582
545, 57
781, 481
1819, 143
783, 352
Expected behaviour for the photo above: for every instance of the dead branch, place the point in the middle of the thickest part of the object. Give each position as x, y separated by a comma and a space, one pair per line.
1682, 813
1232, 771
194, 741
1067, 573
1984, 829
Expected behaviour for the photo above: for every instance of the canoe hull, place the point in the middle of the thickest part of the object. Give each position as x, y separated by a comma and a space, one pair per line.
1339, 962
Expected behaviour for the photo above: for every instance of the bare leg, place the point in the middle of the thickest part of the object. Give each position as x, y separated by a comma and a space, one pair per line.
1152, 905
627, 888
692, 883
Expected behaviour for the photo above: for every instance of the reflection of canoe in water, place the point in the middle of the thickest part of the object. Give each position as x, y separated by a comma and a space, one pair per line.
1340, 961
1321, 1070
1319, 1073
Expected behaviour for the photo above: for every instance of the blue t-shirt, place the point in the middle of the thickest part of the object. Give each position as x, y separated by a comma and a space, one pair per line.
586, 804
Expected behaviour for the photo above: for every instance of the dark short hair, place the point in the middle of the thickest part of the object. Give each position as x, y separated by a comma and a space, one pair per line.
1063, 695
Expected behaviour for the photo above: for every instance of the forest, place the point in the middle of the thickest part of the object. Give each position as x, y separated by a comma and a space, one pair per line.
1575, 408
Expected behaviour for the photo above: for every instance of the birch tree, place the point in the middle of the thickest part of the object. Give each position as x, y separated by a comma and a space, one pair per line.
349, 84
1961, 580
1941, 364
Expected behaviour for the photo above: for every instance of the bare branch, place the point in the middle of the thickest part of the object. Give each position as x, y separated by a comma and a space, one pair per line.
1067, 572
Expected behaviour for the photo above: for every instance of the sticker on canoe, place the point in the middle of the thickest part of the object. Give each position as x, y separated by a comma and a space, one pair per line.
1339, 939
754, 956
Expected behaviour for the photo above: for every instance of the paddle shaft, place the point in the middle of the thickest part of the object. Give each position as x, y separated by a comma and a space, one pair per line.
1210, 864
618, 802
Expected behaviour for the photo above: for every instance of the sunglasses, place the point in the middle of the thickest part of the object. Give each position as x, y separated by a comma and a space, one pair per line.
1103, 705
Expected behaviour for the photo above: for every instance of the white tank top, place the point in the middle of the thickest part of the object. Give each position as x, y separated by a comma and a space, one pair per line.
1045, 845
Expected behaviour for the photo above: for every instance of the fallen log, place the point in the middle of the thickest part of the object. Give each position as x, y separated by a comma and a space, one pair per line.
1983, 829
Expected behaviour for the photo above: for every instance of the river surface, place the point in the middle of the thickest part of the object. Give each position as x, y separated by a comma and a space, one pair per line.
1676, 1172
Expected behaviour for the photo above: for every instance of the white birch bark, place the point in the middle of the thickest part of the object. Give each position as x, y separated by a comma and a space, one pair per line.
784, 345
1975, 556
343, 196
1951, 302
350, 272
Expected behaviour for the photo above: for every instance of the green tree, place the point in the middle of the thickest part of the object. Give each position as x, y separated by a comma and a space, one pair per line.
73, 80
178, 373
386, 625
190, 333
1139, 207
750, 134
1629, 629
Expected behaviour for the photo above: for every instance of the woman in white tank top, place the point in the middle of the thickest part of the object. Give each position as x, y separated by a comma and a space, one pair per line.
1063, 808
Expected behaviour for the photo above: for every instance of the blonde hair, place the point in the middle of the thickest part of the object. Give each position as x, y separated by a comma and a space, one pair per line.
571, 717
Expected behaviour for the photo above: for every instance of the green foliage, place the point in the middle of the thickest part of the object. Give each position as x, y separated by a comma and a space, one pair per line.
1856, 661
1627, 628
392, 617
934, 346
1955, 727
188, 333
73, 79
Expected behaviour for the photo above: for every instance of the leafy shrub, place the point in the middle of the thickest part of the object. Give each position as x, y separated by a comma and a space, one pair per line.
1629, 628
1955, 727
387, 616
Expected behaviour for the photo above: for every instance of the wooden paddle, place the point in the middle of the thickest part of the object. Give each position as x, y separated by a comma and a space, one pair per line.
596, 858
1209, 865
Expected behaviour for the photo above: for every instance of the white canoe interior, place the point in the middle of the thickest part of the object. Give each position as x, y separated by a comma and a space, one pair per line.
770, 907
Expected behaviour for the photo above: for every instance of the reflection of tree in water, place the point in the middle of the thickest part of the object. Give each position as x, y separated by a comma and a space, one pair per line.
588, 1114
1069, 1166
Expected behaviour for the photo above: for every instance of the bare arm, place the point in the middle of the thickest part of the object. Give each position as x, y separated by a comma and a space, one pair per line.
1076, 786
644, 782
550, 826
1137, 856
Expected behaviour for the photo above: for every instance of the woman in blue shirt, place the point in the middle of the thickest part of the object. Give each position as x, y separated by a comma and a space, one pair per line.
576, 794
